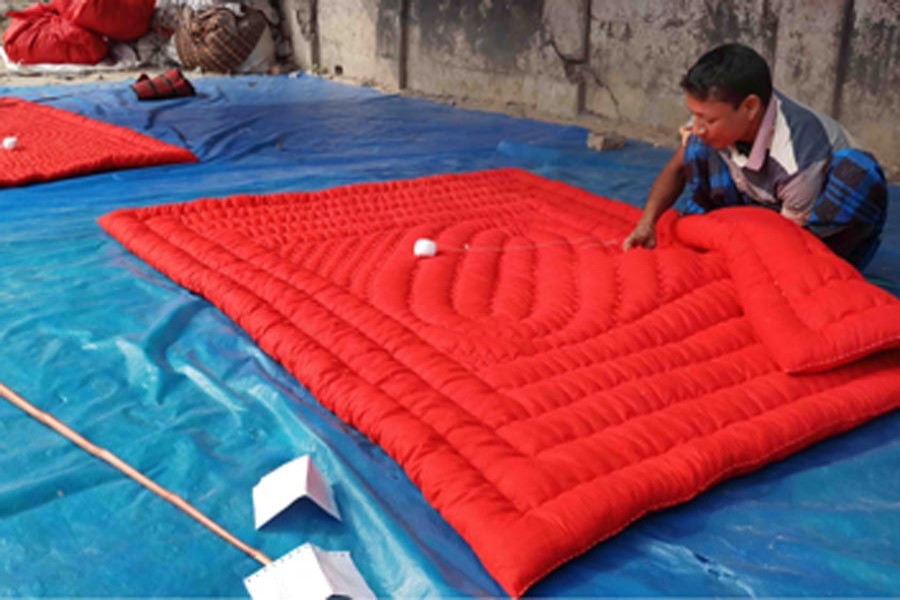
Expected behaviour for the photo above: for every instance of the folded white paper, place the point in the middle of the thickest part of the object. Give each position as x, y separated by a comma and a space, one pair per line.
287, 484
309, 573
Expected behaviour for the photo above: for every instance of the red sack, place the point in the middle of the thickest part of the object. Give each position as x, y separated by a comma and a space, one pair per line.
121, 20
39, 34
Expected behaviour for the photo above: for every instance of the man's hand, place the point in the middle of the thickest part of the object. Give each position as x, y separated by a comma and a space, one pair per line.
665, 190
643, 236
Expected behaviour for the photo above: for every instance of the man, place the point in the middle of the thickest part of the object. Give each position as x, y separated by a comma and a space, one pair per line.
749, 144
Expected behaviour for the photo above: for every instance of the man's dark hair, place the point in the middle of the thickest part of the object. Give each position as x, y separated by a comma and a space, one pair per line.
729, 73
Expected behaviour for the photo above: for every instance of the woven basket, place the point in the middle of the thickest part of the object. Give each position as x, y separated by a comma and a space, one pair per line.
216, 39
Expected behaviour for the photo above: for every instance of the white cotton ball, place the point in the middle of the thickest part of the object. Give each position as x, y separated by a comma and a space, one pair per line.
425, 247
10, 142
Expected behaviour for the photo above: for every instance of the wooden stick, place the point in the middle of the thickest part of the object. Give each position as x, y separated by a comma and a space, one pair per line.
107, 456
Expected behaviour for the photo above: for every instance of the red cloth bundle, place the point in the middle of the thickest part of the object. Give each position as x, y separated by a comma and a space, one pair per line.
121, 20
171, 84
40, 34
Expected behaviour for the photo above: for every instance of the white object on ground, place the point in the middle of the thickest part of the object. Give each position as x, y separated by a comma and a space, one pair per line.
425, 247
10, 142
288, 483
309, 573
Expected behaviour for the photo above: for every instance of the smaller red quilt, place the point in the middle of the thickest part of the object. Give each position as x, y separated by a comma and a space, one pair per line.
50, 143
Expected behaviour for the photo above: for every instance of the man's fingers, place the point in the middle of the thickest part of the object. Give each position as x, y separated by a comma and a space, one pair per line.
639, 239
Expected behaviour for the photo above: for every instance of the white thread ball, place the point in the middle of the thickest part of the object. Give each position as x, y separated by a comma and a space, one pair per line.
425, 247
10, 142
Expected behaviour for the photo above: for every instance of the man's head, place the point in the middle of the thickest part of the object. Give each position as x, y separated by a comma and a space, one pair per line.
727, 92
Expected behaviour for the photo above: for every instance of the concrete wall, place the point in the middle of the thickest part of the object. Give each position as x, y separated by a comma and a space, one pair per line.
869, 93
501, 51
616, 61
640, 50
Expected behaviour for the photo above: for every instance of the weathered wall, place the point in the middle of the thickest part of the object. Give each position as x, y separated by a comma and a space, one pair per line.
361, 38
618, 61
869, 100
500, 49
640, 50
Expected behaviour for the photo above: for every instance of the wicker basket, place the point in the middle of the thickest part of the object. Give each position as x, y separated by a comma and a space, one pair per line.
216, 39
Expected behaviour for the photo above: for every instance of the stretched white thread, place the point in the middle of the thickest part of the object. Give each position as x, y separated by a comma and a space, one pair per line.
584, 242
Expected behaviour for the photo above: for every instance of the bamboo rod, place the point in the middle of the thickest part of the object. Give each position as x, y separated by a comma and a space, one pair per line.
107, 456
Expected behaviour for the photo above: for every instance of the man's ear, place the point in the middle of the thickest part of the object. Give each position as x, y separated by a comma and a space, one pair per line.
752, 105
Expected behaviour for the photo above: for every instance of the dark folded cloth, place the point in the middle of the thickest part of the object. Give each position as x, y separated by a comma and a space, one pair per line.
170, 84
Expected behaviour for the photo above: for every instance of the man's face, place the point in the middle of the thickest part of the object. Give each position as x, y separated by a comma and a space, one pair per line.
719, 124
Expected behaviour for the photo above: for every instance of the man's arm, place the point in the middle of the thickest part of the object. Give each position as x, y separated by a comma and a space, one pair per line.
663, 194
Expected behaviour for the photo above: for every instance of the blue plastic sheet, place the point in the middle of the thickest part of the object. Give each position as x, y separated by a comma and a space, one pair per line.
162, 378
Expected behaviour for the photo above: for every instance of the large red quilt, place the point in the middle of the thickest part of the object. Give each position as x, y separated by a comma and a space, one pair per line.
49, 143
541, 387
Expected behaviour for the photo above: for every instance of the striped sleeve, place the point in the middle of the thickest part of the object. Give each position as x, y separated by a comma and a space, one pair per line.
798, 193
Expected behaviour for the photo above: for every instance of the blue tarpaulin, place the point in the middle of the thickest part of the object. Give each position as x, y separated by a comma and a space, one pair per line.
160, 377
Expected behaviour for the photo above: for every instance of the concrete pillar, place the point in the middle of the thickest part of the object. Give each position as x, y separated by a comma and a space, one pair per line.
566, 26
362, 40
566, 23
870, 93
808, 45
300, 20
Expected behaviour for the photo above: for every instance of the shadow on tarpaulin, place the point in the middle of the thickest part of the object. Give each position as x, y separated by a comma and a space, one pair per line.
159, 376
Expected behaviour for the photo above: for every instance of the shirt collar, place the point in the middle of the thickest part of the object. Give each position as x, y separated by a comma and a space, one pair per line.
761, 143
763, 139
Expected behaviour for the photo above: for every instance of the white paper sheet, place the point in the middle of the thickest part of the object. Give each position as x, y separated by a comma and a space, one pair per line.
309, 573
288, 483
